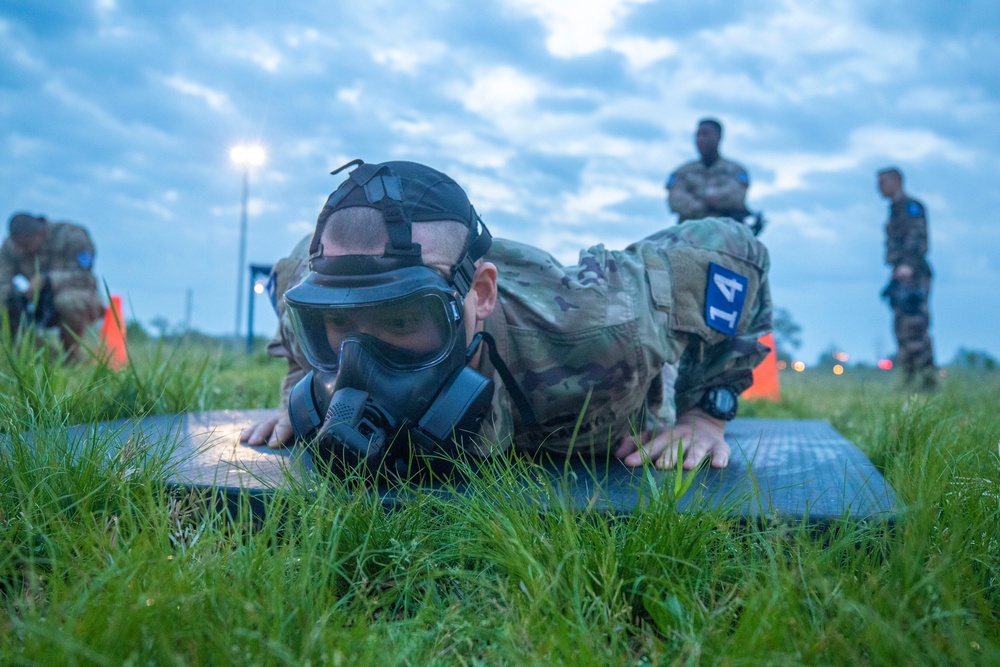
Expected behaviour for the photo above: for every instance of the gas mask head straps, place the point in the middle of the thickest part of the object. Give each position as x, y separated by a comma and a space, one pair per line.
405, 193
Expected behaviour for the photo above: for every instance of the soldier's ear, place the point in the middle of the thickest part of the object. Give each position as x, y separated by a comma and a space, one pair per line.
482, 297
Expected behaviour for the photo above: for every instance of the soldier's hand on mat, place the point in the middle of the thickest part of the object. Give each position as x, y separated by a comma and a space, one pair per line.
275, 432
701, 436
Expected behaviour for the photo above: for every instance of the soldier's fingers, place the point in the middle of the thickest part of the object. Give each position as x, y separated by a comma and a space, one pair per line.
260, 432
720, 457
645, 453
668, 458
626, 446
630, 443
695, 454
282, 434
717, 451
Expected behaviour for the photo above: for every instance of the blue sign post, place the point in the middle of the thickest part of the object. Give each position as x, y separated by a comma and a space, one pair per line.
257, 271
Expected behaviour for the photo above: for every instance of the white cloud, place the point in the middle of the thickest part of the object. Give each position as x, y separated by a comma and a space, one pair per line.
414, 128
963, 105
800, 30
408, 60
471, 149
490, 194
217, 100
247, 45
349, 96
500, 90
641, 52
584, 27
589, 204
21, 146
870, 143
255, 206
301, 36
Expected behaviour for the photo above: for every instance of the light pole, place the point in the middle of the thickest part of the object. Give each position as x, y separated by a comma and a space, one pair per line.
246, 156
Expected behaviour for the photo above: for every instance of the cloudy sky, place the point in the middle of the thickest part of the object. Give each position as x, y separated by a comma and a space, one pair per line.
561, 119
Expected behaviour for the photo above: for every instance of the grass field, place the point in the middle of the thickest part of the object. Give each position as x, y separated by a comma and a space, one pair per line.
98, 566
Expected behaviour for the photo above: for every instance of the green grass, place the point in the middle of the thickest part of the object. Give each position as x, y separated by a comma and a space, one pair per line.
98, 566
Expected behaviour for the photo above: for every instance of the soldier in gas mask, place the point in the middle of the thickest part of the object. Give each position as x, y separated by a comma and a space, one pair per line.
419, 338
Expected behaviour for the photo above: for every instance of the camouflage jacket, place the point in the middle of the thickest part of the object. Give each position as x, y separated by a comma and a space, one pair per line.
906, 235
66, 257
619, 342
688, 186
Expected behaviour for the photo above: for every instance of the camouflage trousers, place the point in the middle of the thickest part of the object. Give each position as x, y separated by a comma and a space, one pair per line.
915, 353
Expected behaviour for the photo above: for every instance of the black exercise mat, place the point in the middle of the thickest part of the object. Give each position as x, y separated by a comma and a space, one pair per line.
782, 469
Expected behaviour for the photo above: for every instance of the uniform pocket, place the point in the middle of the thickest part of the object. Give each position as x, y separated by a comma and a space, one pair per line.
661, 288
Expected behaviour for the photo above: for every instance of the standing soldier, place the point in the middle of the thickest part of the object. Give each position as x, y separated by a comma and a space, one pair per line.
711, 186
46, 278
909, 287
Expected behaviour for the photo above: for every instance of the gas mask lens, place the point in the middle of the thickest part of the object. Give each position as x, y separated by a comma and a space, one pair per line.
405, 333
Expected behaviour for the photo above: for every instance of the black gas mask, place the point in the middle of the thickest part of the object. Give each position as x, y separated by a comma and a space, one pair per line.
391, 391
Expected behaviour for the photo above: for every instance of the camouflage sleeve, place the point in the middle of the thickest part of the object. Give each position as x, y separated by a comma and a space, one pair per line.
915, 241
906, 236
73, 260
710, 358
682, 197
7, 273
732, 192
286, 274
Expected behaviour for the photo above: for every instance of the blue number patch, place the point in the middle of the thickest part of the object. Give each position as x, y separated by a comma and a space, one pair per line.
914, 209
727, 291
671, 179
85, 259
743, 178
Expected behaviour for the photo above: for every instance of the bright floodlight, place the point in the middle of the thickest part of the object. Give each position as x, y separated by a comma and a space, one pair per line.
250, 155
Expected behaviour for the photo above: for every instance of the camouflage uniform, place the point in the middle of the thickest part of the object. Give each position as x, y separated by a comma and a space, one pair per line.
66, 258
286, 274
688, 186
906, 244
623, 332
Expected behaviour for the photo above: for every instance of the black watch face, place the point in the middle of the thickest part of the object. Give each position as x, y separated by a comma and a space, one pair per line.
720, 402
725, 401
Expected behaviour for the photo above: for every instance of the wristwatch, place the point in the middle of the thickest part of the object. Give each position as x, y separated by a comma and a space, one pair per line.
720, 402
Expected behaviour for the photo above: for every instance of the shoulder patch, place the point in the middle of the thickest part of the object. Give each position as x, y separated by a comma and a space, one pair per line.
671, 179
914, 209
85, 259
727, 290
743, 177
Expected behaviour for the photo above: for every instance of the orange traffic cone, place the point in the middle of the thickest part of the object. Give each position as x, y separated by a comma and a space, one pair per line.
113, 334
765, 376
